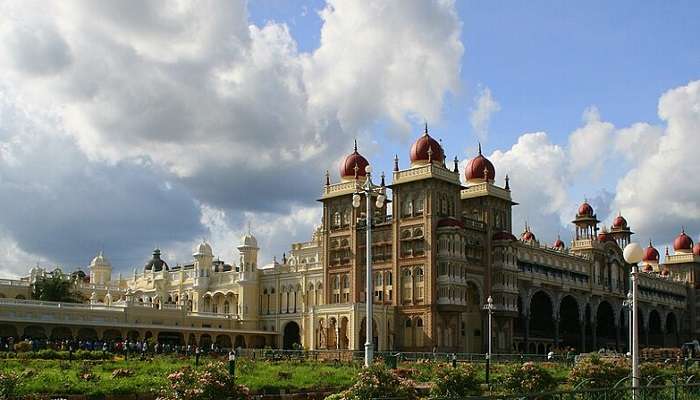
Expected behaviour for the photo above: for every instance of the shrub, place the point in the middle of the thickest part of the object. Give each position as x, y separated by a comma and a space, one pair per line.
378, 382
594, 372
456, 382
8, 385
23, 347
122, 373
213, 382
528, 378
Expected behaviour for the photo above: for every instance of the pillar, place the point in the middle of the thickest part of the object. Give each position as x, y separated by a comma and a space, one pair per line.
583, 337
526, 339
617, 337
556, 332
594, 333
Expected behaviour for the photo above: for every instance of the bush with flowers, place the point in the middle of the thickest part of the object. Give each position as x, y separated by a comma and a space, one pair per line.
456, 383
8, 385
213, 382
527, 378
596, 372
378, 382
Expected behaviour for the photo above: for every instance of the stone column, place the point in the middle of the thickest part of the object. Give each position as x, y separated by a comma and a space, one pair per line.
594, 333
526, 339
556, 332
583, 336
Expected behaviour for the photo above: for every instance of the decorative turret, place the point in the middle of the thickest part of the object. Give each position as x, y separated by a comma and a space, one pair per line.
479, 169
586, 222
100, 270
620, 231
203, 260
248, 277
353, 166
426, 150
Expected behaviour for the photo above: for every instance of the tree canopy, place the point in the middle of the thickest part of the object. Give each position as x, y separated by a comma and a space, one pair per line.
56, 287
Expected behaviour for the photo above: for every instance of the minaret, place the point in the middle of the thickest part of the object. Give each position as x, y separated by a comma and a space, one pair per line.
248, 277
100, 270
203, 258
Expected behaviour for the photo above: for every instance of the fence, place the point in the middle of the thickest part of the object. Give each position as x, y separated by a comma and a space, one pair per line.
686, 390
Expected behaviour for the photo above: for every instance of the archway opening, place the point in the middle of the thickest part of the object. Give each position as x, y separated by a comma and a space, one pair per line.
569, 323
239, 342
605, 326
61, 333
541, 316
291, 335
656, 336
170, 338
223, 341
672, 330
363, 334
34, 332
87, 334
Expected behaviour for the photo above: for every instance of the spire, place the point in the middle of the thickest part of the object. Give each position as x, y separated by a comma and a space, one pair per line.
249, 228
355, 146
650, 245
456, 164
382, 183
328, 178
396, 162
507, 182
425, 132
479, 147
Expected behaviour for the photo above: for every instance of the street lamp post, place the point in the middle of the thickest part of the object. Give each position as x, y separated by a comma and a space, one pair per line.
369, 189
633, 254
489, 307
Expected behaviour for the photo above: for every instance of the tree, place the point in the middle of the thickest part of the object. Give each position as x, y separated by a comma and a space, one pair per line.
55, 287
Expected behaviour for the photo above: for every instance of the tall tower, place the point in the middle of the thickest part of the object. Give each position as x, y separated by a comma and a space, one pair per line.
620, 231
248, 277
100, 270
586, 225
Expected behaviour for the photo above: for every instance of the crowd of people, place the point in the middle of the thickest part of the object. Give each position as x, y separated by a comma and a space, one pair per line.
149, 346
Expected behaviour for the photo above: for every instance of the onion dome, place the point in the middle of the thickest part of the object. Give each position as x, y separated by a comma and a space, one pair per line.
248, 240
651, 255
100, 261
585, 210
648, 268
683, 243
426, 150
203, 249
696, 249
450, 222
353, 166
605, 236
527, 235
558, 244
665, 272
619, 222
503, 235
156, 264
479, 167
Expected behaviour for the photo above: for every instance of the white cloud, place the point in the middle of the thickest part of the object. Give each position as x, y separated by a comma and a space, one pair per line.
659, 194
480, 116
589, 145
228, 113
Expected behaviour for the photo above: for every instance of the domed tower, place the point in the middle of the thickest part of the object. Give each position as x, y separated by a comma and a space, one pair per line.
100, 270
683, 244
650, 261
203, 258
353, 166
426, 150
586, 224
156, 264
248, 277
620, 231
479, 169
559, 244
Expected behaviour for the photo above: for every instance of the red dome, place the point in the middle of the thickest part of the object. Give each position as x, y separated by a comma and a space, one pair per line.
603, 237
559, 244
648, 268
620, 222
527, 235
503, 235
427, 149
585, 210
651, 254
683, 242
696, 249
355, 159
475, 168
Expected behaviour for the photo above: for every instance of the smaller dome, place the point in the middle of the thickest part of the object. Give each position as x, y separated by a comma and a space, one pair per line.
683, 243
651, 255
527, 235
478, 167
648, 268
559, 244
100, 261
696, 249
665, 272
503, 235
156, 264
426, 149
203, 249
585, 210
353, 165
620, 222
248, 240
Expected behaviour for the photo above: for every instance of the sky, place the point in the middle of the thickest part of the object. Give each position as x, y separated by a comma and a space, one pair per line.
130, 125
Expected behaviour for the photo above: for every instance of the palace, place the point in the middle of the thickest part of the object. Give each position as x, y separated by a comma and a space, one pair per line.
440, 247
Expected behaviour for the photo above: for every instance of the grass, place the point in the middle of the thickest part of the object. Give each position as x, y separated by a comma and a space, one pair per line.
61, 377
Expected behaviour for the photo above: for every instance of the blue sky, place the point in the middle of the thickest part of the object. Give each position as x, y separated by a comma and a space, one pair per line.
178, 122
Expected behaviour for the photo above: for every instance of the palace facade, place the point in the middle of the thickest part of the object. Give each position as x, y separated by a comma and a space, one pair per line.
440, 247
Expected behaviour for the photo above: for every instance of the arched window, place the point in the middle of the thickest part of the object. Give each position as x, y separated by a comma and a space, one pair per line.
419, 274
336, 219
226, 307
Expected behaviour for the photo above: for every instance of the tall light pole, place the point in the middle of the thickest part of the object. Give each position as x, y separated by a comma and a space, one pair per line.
633, 254
369, 189
489, 307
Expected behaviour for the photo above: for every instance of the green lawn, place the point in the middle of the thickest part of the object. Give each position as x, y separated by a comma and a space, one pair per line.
62, 377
